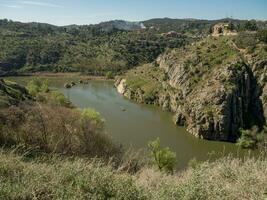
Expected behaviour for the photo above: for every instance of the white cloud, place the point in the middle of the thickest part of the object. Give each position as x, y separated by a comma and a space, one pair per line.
10, 6
39, 3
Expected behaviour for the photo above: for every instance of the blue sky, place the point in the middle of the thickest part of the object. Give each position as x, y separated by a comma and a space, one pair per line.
64, 12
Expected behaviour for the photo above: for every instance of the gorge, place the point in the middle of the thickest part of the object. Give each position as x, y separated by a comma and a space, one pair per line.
209, 86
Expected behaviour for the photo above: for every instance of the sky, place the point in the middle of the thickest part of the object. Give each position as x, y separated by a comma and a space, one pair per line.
65, 12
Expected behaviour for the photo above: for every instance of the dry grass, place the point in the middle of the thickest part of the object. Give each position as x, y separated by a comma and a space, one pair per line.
60, 178
226, 178
64, 178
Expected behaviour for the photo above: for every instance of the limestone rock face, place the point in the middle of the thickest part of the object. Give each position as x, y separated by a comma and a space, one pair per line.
121, 86
216, 107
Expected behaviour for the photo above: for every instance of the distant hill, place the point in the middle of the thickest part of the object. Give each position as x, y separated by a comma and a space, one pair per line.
97, 49
121, 25
196, 26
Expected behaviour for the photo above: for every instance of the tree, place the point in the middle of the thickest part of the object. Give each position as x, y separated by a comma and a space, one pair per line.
262, 35
251, 25
231, 26
164, 158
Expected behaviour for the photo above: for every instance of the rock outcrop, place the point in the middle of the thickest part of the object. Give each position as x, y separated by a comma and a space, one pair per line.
12, 93
259, 70
221, 29
213, 102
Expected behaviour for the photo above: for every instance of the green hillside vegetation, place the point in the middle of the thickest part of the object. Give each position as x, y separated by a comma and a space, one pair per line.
96, 49
200, 59
88, 49
147, 79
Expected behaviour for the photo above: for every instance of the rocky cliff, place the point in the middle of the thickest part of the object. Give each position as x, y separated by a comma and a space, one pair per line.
208, 86
12, 93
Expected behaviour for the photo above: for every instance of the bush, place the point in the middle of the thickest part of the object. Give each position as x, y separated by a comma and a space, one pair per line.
91, 114
262, 35
109, 75
54, 129
250, 25
59, 99
246, 139
246, 40
36, 86
164, 158
193, 163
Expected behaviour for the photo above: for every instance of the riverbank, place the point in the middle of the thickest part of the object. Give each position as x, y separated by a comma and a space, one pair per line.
59, 75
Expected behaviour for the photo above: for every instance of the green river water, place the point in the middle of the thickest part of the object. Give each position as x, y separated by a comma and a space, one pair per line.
133, 125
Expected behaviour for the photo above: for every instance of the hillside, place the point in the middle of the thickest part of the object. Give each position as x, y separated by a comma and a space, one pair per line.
93, 49
213, 87
198, 27
97, 49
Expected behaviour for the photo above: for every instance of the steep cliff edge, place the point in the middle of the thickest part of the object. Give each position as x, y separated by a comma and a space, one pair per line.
209, 86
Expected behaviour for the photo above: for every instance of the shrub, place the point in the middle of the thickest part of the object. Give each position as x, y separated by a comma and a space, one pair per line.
56, 129
193, 163
246, 40
251, 25
262, 35
91, 114
109, 75
36, 86
59, 99
246, 139
164, 158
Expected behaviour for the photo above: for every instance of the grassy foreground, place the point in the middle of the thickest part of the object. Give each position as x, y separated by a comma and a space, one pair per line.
75, 178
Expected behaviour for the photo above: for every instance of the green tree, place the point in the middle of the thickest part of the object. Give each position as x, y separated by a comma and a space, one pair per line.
262, 35
164, 158
251, 25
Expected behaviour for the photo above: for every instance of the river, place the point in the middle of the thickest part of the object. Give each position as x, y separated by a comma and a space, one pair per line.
134, 125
